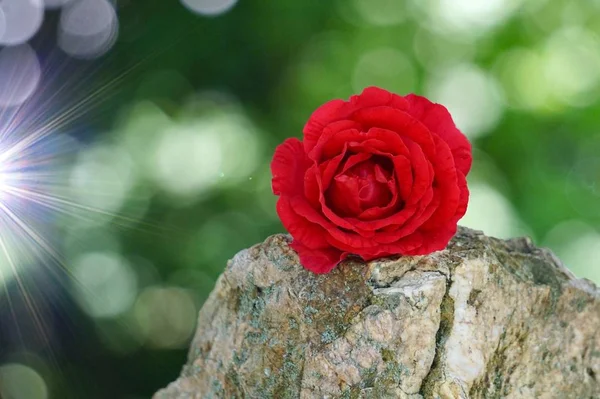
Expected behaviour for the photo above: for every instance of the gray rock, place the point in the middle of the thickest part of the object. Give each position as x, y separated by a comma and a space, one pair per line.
484, 318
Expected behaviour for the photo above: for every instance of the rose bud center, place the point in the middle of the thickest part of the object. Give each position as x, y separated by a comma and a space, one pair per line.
363, 186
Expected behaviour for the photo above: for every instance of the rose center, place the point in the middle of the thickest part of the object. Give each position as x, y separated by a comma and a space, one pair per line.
363, 186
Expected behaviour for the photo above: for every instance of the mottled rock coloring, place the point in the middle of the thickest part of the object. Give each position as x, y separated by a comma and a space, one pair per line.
485, 318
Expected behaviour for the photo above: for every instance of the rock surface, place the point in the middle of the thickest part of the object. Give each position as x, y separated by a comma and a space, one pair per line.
484, 318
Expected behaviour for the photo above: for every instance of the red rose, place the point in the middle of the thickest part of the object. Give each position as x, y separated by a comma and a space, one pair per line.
375, 176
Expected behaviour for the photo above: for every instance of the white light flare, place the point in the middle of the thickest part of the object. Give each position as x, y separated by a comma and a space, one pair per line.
3, 181
28, 179
29, 171
35, 165
35, 198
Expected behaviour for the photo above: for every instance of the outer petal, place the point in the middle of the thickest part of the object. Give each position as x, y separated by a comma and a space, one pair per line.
376, 96
447, 187
312, 191
338, 110
311, 235
437, 119
402, 246
438, 238
394, 232
464, 197
428, 206
329, 112
434, 240
288, 167
318, 261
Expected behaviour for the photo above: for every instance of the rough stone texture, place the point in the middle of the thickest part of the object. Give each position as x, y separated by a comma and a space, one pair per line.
484, 318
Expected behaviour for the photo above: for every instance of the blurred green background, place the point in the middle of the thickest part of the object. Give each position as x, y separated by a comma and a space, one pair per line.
172, 155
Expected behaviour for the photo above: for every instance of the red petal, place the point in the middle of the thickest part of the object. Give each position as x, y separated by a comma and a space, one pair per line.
318, 261
376, 250
331, 145
447, 187
305, 210
383, 211
354, 160
421, 171
398, 121
288, 167
324, 115
434, 240
394, 232
380, 174
464, 198
427, 207
437, 119
309, 234
312, 192
404, 175
371, 97
328, 170
342, 195
393, 140
375, 96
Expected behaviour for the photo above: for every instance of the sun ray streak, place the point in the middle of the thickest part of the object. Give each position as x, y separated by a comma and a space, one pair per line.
36, 196
30, 303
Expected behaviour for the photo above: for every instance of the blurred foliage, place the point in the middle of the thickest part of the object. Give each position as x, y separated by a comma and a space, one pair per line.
176, 155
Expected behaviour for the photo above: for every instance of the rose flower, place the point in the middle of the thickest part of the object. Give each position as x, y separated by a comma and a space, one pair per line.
375, 176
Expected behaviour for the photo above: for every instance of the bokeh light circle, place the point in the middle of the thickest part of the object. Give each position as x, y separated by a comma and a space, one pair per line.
20, 74
107, 284
2, 23
382, 12
166, 316
577, 244
385, 67
583, 187
102, 179
22, 18
472, 96
524, 86
209, 7
192, 157
468, 17
56, 3
572, 65
435, 51
491, 212
21, 382
88, 28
